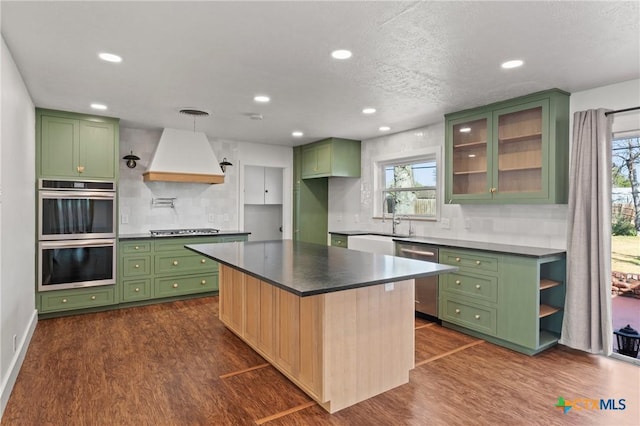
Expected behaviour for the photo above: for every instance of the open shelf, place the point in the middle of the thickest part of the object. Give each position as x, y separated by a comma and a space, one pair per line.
470, 145
469, 172
547, 338
521, 138
545, 284
546, 310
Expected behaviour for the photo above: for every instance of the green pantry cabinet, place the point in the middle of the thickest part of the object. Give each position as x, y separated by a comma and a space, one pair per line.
312, 165
73, 145
511, 300
162, 267
509, 152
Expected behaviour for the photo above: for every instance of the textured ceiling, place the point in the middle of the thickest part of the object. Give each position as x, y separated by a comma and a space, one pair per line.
412, 61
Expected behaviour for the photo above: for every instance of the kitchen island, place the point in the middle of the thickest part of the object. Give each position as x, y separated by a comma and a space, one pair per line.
338, 323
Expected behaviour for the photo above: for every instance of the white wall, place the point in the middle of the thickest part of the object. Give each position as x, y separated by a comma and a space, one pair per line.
18, 316
351, 200
197, 205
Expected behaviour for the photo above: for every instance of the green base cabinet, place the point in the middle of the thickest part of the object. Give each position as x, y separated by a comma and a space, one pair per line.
331, 157
73, 299
73, 145
513, 301
340, 240
511, 152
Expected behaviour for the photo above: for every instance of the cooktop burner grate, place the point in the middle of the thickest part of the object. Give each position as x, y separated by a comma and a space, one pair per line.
187, 231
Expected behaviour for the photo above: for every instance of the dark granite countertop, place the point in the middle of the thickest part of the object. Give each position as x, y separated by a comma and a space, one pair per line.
465, 244
306, 269
150, 237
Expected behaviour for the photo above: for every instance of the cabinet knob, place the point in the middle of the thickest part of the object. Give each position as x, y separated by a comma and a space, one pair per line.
175, 263
203, 260
477, 317
457, 259
175, 285
203, 282
266, 190
80, 169
137, 290
458, 282
457, 311
492, 190
137, 248
477, 262
137, 266
93, 298
478, 286
64, 300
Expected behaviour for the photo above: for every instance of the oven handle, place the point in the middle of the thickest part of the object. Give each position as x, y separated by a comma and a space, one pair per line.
76, 243
76, 195
418, 252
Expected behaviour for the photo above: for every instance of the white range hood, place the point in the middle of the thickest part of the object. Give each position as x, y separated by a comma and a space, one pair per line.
184, 156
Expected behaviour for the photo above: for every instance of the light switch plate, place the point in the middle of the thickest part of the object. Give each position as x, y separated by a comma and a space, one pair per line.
445, 223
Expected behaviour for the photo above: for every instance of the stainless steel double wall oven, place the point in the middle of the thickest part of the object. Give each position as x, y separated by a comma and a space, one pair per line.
77, 234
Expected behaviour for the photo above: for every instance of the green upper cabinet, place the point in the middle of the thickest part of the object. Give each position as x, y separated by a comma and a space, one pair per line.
75, 145
331, 157
514, 151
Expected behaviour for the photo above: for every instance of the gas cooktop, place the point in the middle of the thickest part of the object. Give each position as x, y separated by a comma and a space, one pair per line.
179, 232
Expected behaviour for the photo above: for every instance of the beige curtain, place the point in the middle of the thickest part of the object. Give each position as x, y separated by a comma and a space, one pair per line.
587, 317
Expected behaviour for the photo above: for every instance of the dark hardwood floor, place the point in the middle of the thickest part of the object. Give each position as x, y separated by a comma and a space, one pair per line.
161, 365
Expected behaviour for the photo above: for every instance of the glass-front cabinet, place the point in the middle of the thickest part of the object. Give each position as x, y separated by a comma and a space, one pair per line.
510, 152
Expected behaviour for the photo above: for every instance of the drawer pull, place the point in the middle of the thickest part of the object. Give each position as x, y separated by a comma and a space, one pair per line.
477, 262
137, 290
64, 300
93, 298
175, 263
457, 311
457, 259
203, 282
175, 285
137, 248
478, 286
458, 282
137, 266
203, 260
477, 317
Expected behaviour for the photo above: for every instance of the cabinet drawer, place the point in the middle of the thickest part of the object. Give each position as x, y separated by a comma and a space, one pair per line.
176, 244
133, 290
469, 260
471, 285
179, 263
480, 318
185, 284
67, 300
133, 247
339, 240
133, 266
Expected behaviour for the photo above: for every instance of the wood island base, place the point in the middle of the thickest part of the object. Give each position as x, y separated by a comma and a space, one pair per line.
340, 347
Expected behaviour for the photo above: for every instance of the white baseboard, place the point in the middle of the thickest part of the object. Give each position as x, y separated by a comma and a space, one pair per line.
16, 363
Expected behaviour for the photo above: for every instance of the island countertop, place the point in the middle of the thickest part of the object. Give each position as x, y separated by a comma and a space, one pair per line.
306, 269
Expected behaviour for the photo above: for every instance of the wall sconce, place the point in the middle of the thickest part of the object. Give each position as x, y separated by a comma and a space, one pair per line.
131, 160
224, 163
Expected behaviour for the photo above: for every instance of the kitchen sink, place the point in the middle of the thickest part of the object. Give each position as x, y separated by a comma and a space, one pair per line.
372, 243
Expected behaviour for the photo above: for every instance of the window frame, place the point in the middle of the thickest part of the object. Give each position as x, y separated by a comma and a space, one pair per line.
406, 157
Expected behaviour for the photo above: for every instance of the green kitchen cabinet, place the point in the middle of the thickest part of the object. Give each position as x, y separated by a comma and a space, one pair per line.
511, 300
76, 146
340, 240
73, 299
331, 157
510, 152
310, 205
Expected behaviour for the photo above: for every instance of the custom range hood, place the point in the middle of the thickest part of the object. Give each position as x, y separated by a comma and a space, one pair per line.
184, 156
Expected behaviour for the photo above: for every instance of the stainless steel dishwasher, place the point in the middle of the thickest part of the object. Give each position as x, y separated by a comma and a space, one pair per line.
426, 288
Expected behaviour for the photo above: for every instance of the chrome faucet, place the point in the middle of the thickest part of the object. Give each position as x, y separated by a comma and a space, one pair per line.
411, 230
394, 222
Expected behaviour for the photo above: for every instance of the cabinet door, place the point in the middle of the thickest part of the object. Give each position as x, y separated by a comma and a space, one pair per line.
309, 161
59, 147
254, 185
272, 185
323, 158
520, 151
469, 172
97, 150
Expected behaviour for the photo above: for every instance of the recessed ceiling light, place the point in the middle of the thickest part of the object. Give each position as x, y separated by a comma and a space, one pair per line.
98, 106
297, 134
261, 98
368, 110
341, 54
109, 57
465, 130
384, 128
512, 64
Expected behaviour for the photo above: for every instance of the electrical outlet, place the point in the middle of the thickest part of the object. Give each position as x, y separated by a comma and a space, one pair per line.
124, 219
445, 223
15, 343
212, 217
356, 218
226, 217
388, 287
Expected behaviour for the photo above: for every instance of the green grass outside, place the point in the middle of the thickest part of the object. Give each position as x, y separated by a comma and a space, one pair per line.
625, 254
